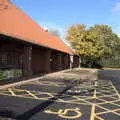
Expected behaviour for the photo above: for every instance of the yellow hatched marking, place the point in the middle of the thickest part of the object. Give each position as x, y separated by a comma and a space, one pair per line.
106, 95
16, 90
32, 94
117, 109
93, 114
83, 100
35, 97
12, 93
50, 94
111, 96
108, 110
74, 102
92, 117
115, 90
99, 118
89, 98
114, 97
33, 91
111, 102
47, 83
104, 101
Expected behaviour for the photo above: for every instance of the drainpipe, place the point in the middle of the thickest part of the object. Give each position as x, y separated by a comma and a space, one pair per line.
71, 61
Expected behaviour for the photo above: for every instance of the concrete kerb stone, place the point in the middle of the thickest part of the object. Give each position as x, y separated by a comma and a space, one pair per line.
30, 80
61, 74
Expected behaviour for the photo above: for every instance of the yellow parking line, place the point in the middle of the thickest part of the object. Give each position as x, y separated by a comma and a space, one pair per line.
106, 95
117, 109
114, 97
92, 117
111, 102
114, 111
99, 118
10, 90
32, 94
73, 102
115, 90
89, 98
108, 110
89, 103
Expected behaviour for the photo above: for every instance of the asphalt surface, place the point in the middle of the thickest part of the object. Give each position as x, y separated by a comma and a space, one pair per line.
49, 99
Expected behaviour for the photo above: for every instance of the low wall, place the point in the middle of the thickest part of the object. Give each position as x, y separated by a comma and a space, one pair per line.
13, 73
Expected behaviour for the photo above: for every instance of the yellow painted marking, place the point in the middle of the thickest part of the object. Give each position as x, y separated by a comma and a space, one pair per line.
111, 102
63, 113
89, 98
89, 103
47, 83
110, 96
94, 95
10, 90
108, 110
32, 94
106, 95
99, 118
115, 90
17, 90
50, 94
47, 99
73, 102
116, 109
92, 117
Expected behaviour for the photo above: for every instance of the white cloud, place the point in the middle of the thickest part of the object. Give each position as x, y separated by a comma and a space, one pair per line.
116, 8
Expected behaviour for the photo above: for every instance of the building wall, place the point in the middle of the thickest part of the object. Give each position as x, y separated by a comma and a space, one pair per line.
65, 61
10, 54
31, 59
40, 60
56, 61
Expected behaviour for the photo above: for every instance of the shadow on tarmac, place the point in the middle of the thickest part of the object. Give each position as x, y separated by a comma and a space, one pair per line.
27, 115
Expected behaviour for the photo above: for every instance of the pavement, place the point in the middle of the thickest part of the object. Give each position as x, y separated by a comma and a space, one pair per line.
56, 98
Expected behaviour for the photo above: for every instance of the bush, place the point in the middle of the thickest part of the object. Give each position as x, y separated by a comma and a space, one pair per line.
1, 74
13, 73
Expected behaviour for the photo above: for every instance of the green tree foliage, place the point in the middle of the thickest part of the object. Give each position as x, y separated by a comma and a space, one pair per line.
85, 42
54, 33
94, 44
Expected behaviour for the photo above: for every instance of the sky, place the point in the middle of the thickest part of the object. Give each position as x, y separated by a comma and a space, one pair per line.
61, 14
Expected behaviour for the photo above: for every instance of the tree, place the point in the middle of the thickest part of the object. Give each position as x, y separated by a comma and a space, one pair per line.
105, 35
111, 42
85, 42
93, 44
54, 33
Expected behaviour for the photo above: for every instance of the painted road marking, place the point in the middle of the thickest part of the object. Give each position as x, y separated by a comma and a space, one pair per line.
103, 94
63, 113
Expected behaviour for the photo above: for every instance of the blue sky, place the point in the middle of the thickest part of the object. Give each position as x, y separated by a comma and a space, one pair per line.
60, 14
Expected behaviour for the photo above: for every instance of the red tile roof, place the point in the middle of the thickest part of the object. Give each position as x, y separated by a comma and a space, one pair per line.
15, 23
